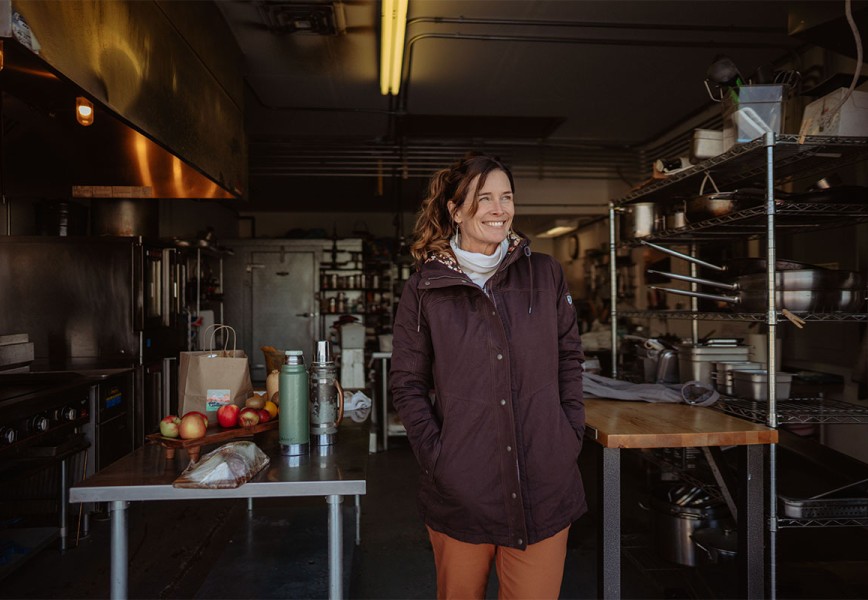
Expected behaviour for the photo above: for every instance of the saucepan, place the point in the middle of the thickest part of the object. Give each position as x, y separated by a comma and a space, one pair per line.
796, 289
719, 204
846, 300
787, 281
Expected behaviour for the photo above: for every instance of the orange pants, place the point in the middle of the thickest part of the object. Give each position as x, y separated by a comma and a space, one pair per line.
462, 568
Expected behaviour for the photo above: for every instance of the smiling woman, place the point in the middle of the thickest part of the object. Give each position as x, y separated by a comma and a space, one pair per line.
491, 328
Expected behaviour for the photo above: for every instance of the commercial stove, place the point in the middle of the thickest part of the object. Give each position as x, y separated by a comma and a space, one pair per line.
56, 428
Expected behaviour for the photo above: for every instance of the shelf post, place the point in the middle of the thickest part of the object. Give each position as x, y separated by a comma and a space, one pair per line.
772, 318
613, 288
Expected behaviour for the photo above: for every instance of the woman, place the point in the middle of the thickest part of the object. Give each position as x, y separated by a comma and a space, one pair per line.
486, 377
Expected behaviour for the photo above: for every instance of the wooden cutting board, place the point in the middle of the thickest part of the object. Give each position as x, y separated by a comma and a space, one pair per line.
214, 435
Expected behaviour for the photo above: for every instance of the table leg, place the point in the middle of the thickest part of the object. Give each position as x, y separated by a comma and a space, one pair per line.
119, 549
384, 392
64, 501
609, 556
358, 520
751, 528
336, 569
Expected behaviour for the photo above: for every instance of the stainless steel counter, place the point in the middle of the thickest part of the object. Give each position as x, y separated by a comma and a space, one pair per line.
147, 475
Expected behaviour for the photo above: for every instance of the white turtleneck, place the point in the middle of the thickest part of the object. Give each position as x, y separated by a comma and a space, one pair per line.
479, 267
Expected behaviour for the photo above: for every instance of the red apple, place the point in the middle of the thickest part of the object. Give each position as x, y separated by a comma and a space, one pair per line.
169, 426
248, 417
227, 415
192, 426
196, 412
264, 416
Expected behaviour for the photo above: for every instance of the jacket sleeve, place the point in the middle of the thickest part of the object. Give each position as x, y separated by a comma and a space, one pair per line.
411, 377
570, 356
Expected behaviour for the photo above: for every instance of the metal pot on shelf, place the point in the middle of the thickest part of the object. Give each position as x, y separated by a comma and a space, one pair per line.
679, 510
807, 290
638, 220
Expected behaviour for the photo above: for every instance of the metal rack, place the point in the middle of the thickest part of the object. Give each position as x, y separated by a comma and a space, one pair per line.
728, 316
796, 410
763, 163
745, 164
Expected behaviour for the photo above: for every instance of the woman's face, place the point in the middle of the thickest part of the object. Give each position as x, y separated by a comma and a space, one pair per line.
484, 231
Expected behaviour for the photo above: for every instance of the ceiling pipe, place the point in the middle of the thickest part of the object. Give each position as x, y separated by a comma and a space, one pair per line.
594, 25
411, 43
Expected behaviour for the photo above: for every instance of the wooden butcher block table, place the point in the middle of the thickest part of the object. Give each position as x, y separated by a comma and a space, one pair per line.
617, 424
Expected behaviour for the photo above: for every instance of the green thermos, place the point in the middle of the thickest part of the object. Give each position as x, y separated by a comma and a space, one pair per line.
294, 409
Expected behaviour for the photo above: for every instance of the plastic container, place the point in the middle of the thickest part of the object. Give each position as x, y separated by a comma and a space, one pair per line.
756, 110
695, 362
352, 336
752, 384
723, 373
706, 143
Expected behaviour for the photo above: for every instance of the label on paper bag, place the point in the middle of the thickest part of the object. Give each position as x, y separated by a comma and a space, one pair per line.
217, 398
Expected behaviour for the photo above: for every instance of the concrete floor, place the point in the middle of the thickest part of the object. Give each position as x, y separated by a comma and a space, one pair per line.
218, 549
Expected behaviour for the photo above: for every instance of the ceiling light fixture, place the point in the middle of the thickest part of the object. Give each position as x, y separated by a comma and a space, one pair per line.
393, 28
559, 228
83, 111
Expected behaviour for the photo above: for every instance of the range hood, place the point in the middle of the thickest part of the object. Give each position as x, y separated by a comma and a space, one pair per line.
165, 125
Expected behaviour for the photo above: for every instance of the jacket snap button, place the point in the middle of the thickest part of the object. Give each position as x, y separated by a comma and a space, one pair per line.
494, 312
514, 496
503, 402
427, 283
500, 357
509, 448
520, 541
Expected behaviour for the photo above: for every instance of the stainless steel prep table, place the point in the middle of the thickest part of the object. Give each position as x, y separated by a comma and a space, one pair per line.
617, 424
147, 475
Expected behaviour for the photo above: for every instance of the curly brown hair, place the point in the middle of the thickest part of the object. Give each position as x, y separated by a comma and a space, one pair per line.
435, 224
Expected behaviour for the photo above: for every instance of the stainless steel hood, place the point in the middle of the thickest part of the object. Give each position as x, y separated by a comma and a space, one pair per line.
168, 100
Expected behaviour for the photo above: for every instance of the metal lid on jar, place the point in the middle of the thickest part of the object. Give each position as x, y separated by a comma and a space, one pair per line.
294, 357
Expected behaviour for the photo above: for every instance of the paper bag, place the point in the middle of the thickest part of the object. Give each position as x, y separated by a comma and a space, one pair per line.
209, 379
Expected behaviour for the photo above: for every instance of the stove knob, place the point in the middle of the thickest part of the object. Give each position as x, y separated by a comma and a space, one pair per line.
39, 423
7, 436
68, 413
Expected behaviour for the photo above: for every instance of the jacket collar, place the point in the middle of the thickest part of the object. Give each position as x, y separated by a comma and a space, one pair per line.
441, 269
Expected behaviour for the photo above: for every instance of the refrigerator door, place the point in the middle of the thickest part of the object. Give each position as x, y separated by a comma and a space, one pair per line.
282, 305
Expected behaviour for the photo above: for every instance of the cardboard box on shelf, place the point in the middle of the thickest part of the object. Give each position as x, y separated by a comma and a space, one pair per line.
851, 120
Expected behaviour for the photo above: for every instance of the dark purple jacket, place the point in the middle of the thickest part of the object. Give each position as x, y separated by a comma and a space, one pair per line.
499, 442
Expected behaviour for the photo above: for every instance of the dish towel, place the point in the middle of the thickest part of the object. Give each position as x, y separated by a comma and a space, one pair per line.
692, 392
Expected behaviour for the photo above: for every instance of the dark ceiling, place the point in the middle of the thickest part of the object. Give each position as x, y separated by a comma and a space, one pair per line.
560, 88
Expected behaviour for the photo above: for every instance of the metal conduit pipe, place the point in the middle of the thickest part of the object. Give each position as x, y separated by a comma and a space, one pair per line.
535, 39
594, 25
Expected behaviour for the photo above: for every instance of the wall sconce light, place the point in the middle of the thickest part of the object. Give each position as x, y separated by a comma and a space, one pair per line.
83, 111
393, 28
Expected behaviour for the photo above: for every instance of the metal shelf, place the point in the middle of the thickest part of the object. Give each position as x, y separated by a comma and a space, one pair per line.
744, 165
661, 460
726, 316
792, 523
796, 410
752, 222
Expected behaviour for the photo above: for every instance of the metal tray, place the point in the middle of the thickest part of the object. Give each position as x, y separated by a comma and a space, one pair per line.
830, 505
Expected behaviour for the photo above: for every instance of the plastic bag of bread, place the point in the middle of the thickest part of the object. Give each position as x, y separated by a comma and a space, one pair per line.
229, 466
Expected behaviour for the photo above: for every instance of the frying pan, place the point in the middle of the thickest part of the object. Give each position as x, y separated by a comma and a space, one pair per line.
718, 204
737, 266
